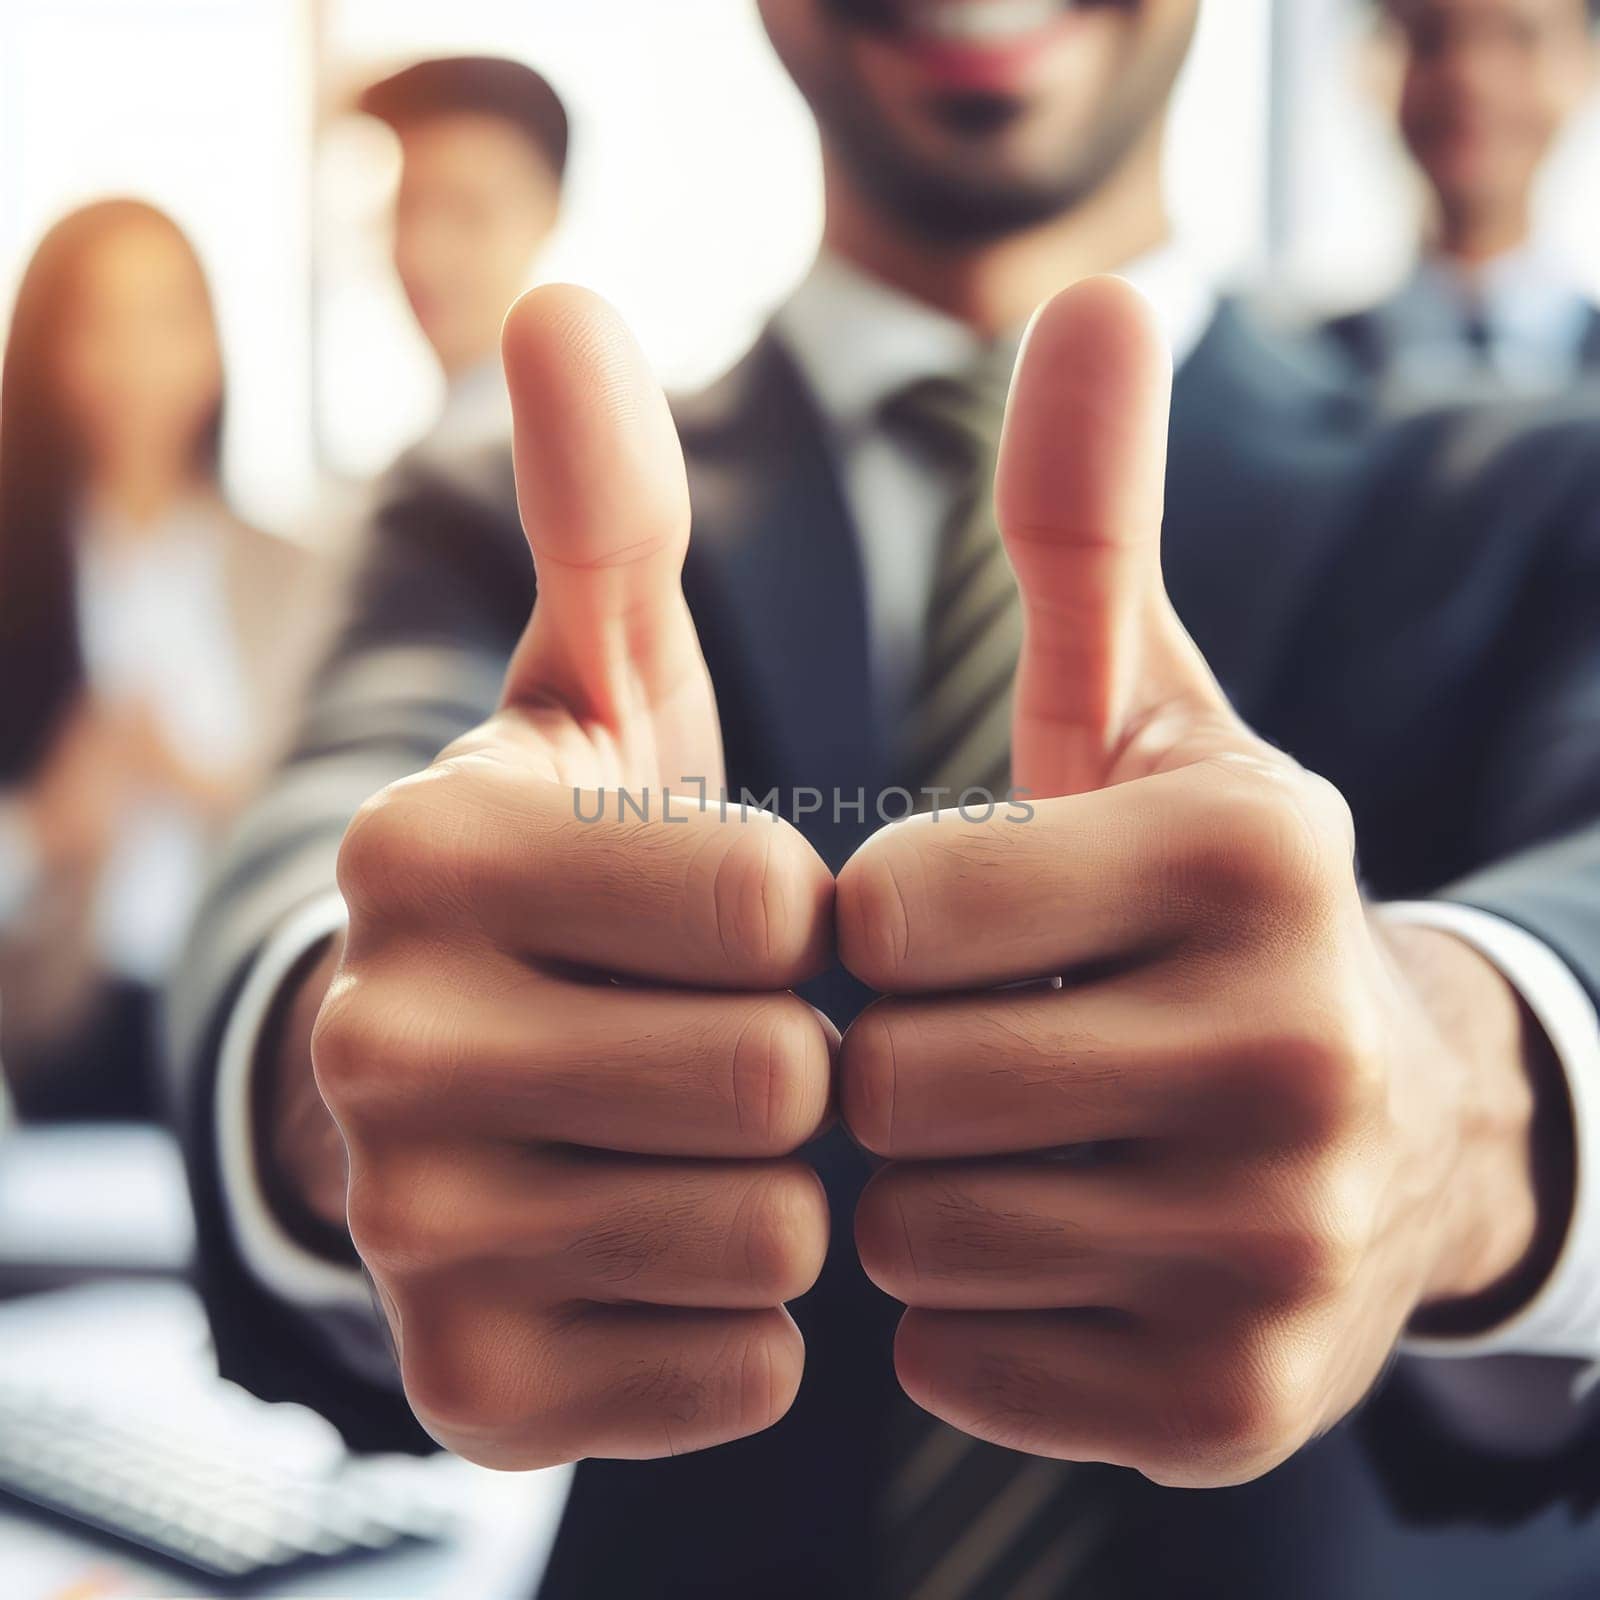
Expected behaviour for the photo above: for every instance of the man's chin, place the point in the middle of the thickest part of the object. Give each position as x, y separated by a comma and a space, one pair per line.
948, 206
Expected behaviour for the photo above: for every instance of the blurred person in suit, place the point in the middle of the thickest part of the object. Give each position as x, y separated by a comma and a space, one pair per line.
483, 155
148, 648
567, 1075
1486, 89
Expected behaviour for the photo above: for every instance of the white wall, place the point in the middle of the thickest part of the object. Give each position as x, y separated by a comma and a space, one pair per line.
203, 107
694, 193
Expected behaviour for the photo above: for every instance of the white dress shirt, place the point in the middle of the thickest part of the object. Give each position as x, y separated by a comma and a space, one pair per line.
158, 630
856, 342
476, 413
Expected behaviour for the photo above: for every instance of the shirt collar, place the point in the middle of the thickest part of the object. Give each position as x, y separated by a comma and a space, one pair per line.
476, 409
858, 340
1528, 293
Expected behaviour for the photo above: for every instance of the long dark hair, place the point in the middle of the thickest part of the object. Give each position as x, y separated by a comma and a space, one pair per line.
42, 465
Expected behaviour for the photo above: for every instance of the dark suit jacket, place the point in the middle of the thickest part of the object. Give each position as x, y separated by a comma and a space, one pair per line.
1411, 613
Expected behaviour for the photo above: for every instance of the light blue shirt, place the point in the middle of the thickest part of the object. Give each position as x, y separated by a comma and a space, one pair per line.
1534, 311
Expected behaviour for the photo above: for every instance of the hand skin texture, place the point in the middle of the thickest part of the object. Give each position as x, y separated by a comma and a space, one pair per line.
568, 1073
1303, 1129
562, 1054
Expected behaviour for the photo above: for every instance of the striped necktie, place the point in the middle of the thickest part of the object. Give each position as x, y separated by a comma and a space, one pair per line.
957, 732
959, 1519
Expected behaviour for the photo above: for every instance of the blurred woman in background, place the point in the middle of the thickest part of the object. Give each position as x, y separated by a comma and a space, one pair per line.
149, 648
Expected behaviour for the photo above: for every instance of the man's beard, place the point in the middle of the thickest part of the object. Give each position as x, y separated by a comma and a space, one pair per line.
940, 202
863, 13
946, 206
888, 15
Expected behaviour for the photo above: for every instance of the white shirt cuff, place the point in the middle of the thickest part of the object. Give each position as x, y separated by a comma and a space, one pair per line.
286, 1268
1563, 1318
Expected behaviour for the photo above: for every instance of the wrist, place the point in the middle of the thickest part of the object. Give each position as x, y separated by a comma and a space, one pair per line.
1503, 1190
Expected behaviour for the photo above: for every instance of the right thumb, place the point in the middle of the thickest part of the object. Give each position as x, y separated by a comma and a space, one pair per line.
605, 505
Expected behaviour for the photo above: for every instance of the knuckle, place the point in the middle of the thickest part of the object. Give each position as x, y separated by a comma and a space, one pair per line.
1338, 1221
868, 1080
921, 1237
1217, 1433
875, 914
1326, 1260
770, 894
1326, 1076
754, 1397
367, 1215
382, 852
782, 1234
374, 1060
460, 1393
1256, 845
397, 1226
1329, 815
745, 1386
1304, 1264
997, 1395
759, 1377
780, 1077
497, 1390
422, 849
884, 1228
340, 1060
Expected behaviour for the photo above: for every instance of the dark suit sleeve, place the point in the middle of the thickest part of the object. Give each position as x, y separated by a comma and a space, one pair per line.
1446, 675
1539, 823
440, 590
1445, 671
1539, 800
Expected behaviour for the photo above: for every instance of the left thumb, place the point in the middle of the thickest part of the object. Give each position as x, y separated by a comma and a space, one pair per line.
1079, 492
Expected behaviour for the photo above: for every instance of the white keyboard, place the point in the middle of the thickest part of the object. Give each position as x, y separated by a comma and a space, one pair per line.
192, 1502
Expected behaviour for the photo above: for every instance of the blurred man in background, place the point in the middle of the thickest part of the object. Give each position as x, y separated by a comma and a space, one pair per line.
1487, 88
483, 153
578, 1199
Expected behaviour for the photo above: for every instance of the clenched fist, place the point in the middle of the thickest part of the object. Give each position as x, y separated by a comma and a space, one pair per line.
1174, 1211
562, 1053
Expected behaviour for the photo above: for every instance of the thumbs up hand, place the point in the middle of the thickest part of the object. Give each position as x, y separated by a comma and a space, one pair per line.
561, 1051
1174, 1213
